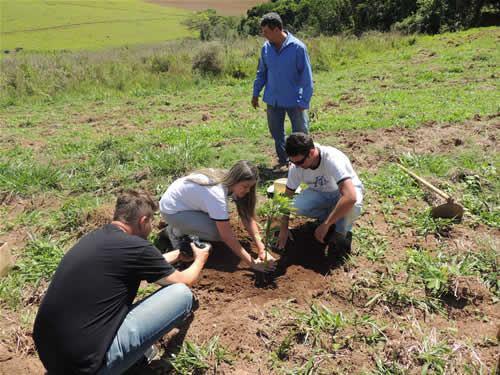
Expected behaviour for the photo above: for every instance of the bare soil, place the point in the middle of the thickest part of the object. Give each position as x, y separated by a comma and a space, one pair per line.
252, 319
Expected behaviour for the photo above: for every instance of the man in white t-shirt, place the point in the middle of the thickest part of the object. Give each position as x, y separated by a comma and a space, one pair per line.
334, 195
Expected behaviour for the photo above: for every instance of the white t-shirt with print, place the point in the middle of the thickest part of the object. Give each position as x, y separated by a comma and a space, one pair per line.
185, 195
334, 167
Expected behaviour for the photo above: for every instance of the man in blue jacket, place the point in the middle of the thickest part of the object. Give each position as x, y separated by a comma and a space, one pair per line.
285, 71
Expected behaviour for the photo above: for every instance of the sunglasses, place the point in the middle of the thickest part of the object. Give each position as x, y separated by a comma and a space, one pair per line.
301, 161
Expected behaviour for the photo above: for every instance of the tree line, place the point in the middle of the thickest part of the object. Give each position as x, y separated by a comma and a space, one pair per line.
330, 17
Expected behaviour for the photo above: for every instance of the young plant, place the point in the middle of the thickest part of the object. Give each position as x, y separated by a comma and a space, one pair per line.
272, 210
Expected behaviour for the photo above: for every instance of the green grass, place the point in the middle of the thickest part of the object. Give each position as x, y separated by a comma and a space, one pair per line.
86, 24
36, 264
319, 320
196, 359
370, 244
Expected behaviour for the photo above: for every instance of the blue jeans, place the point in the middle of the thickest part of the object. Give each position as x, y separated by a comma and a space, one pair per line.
146, 323
276, 123
319, 205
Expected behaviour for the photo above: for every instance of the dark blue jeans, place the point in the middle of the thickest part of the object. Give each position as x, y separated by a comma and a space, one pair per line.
276, 123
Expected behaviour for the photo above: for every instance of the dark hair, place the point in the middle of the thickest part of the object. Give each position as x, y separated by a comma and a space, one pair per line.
271, 20
132, 205
298, 144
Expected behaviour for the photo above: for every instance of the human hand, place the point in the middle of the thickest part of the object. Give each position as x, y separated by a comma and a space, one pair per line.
201, 253
266, 256
263, 266
263, 254
255, 102
321, 232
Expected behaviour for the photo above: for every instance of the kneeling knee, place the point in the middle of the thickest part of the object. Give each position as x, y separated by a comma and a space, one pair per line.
183, 295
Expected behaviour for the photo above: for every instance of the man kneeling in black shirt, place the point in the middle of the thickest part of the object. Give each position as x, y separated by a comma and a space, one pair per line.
87, 323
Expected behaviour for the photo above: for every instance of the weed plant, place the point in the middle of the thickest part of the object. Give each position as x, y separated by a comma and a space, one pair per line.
392, 290
319, 320
195, 359
370, 244
438, 272
425, 224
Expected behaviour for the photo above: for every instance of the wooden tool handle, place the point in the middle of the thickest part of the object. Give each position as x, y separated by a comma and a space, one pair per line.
426, 183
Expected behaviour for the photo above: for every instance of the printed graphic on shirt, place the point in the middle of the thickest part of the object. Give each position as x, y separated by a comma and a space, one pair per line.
320, 181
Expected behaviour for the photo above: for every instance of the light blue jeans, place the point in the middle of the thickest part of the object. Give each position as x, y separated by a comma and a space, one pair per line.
276, 123
146, 323
319, 205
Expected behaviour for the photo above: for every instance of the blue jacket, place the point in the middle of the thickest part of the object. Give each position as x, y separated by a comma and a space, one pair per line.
286, 74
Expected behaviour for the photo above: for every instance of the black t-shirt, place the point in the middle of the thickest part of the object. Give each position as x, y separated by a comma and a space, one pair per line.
90, 295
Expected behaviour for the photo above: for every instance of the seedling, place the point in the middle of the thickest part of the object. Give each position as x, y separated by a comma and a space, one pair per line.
272, 210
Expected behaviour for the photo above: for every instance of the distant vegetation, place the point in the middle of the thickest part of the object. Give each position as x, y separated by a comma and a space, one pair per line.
330, 17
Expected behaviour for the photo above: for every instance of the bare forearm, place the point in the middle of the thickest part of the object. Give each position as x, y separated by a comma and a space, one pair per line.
193, 273
172, 256
188, 276
252, 229
342, 208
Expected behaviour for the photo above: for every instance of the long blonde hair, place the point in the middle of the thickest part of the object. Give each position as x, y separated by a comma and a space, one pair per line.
243, 170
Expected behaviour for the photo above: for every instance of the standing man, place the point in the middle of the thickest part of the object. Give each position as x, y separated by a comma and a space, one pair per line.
334, 195
285, 71
87, 323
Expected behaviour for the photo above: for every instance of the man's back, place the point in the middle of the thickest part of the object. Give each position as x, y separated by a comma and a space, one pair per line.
90, 295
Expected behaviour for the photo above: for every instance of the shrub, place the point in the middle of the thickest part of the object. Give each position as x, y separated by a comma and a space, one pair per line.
209, 60
160, 64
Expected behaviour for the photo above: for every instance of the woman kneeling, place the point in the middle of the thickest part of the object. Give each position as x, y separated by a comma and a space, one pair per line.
197, 204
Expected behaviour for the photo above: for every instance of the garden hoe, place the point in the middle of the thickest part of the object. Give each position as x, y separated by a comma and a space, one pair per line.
448, 210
